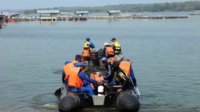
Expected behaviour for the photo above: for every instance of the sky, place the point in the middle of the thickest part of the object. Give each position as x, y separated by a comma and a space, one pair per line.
31, 4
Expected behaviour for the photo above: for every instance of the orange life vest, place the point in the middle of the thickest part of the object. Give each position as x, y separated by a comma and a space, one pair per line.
126, 67
67, 69
86, 52
109, 50
74, 80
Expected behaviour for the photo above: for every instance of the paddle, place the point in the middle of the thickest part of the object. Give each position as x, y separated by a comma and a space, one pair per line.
135, 87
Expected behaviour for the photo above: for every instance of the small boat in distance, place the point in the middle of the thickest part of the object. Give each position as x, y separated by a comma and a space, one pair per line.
2, 20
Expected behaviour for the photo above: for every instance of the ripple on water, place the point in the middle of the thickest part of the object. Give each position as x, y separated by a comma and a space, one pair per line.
45, 101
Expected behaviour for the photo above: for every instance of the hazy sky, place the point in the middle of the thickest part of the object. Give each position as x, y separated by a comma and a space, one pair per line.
29, 4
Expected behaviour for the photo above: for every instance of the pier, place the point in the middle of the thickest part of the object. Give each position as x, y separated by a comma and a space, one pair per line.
137, 17
56, 15
85, 18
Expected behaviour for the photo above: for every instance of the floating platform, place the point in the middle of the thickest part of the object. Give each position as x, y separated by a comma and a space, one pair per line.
77, 19
85, 18
137, 17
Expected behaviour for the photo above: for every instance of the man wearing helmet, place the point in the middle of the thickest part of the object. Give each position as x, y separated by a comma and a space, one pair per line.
108, 50
88, 43
116, 46
87, 50
122, 72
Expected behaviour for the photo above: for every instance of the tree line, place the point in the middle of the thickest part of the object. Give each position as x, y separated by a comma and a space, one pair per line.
156, 7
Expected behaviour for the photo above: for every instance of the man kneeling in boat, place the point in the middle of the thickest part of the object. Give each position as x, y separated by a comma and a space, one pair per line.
76, 80
122, 73
70, 64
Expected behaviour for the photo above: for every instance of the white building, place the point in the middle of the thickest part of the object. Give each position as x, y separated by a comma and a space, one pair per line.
114, 12
48, 15
81, 13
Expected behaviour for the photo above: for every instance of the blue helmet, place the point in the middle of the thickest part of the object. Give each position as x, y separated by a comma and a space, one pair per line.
78, 57
113, 39
88, 39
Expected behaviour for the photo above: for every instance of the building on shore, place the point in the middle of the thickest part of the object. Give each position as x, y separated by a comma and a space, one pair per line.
48, 15
13, 17
114, 12
79, 16
81, 13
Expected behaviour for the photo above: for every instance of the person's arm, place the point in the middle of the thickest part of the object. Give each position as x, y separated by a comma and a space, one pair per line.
63, 77
92, 45
66, 62
104, 53
113, 46
110, 75
79, 64
133, 76
109, 69
84, 77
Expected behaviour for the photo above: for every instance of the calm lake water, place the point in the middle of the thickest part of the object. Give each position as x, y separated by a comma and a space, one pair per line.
165, 55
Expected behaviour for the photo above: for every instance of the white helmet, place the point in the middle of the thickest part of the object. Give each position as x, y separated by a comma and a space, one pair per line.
106, 44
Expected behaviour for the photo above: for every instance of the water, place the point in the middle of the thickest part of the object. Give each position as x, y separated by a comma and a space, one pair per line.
165, 55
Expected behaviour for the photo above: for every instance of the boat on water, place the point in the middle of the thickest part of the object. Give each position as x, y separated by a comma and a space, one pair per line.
124, 98
2, 20
76, 18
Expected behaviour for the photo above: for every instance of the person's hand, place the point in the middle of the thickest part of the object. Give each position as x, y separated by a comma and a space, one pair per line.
92, 85
100, 81
119, 90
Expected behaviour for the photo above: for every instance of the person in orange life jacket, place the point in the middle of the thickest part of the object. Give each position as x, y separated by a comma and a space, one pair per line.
78, 58
86, 53
77, 77
88, 47
124, 65
108, 50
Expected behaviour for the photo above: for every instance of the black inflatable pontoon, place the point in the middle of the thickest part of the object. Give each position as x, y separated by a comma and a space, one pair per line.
106, 96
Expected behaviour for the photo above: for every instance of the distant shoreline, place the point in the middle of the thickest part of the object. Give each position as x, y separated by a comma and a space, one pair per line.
156, 7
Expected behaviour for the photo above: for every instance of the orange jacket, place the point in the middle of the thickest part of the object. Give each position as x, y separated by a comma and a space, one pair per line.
109, 50
126, 67
67, 69
86, 52
74, 80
